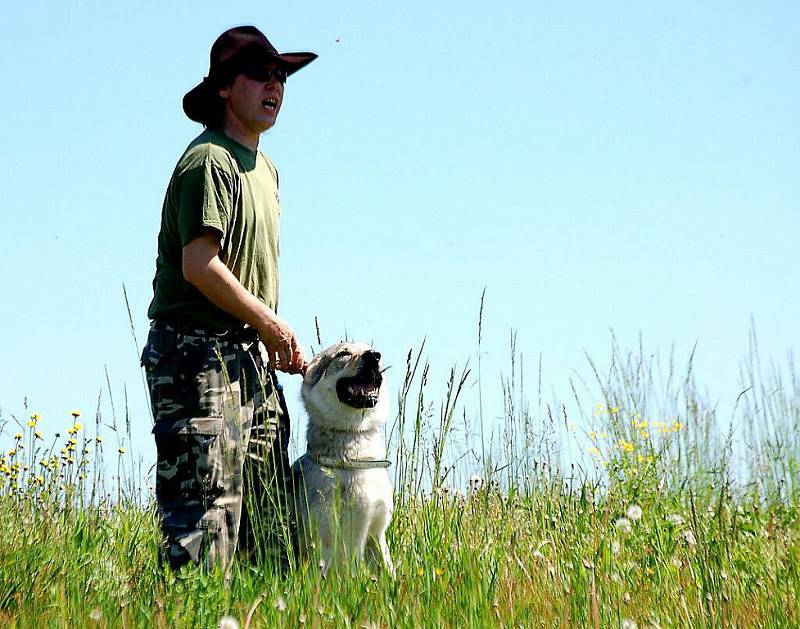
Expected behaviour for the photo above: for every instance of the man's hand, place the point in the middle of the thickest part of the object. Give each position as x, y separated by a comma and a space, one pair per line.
283, 350
203, 269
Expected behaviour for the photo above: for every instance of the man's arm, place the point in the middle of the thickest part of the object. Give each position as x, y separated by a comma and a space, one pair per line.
205, 271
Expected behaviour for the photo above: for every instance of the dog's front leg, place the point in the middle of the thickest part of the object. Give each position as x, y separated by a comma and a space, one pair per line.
385, 555
378, 555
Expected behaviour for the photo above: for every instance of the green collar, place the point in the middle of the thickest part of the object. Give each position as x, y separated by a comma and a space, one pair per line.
348, 464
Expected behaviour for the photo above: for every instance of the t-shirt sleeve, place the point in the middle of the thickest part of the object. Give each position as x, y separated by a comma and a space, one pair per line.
204, 200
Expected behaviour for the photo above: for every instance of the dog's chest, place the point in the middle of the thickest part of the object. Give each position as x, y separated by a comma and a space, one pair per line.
367, 491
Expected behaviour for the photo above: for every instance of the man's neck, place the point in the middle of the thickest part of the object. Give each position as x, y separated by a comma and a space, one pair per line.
237, 134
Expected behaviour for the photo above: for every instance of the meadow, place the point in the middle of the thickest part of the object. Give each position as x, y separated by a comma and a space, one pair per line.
634, 505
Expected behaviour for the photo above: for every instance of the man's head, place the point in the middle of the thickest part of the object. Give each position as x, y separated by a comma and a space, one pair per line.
246, 76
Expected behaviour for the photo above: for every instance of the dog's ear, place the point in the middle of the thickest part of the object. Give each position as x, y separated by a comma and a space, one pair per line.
318, 370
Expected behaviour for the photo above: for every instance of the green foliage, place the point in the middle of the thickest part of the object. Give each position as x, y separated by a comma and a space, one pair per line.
663, 520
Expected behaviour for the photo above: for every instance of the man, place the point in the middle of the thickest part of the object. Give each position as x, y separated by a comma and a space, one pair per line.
221, 424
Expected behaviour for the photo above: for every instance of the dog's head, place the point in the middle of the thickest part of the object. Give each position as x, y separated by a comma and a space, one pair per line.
344, 388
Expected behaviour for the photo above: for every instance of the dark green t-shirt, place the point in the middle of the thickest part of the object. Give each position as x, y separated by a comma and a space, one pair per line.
223, 185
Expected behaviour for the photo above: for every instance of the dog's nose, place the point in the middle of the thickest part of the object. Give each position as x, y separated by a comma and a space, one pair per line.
371, 357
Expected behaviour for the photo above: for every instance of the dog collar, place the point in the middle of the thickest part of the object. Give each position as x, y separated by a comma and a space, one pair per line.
348, 464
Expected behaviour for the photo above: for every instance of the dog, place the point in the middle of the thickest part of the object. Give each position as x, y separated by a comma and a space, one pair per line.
345, 495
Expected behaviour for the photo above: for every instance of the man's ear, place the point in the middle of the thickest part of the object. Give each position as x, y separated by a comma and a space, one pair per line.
224, 92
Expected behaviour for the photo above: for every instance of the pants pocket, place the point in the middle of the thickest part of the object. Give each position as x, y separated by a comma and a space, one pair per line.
191, 463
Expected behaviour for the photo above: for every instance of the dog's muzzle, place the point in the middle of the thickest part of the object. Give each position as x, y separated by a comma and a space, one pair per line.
363, 389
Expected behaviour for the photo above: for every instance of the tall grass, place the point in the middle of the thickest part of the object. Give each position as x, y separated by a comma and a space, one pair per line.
631, 504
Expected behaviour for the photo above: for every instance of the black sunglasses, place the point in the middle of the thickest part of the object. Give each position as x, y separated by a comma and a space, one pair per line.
258, 72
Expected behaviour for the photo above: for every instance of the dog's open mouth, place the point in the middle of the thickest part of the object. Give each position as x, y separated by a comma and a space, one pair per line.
360, 391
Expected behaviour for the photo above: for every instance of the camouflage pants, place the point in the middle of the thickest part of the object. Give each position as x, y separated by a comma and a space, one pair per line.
223, 478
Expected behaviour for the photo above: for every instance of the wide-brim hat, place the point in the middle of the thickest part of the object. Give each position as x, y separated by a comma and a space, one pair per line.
202, 103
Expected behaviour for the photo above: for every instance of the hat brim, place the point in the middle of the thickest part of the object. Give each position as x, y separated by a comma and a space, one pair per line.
201, 102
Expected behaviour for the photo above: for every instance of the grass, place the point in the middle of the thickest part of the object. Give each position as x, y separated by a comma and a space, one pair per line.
635, 506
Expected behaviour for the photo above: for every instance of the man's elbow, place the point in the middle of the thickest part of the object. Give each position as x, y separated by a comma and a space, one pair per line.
190, 268
197, 257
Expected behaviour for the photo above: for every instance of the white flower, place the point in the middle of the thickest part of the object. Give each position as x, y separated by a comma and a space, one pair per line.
95, 614
627, 623
634, 513
623, 525
228, 622
615, 547
280, 604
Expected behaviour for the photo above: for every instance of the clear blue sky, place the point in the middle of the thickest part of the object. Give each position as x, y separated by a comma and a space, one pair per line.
592, 165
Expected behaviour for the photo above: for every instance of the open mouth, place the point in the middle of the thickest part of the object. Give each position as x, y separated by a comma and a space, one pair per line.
270, 104
360, 391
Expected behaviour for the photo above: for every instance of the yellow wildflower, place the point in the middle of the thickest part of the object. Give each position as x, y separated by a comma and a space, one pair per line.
36, 417
75, 414
32, 423
99, 439
677, 426
12, 453
63, 450
627, 446
420, 572
37, 434
18, 436
122, 450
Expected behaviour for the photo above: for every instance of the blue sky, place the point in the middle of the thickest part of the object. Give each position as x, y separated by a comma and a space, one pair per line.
594, 166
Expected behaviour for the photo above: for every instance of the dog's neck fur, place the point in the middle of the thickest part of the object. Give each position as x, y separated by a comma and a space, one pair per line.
338, 444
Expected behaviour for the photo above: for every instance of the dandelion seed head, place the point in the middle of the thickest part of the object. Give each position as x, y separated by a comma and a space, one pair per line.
280, 604
476, 482
623, 525
675, 519
634, 512
627, 623
228, 622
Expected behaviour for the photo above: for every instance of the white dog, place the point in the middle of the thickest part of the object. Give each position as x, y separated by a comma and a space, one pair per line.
345, 499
